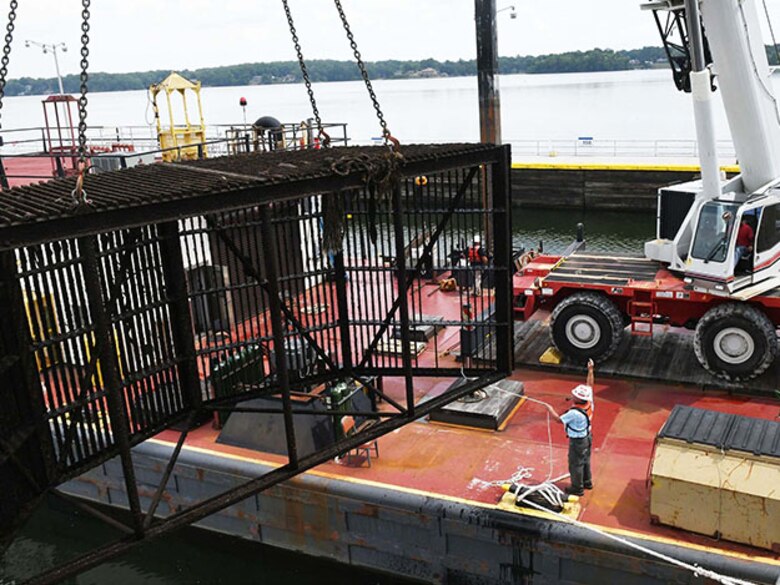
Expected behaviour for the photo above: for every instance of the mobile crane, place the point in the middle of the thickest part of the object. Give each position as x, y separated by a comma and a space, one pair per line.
692, 275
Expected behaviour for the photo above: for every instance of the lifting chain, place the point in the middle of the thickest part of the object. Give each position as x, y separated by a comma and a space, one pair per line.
84, 77
305, 72
362, 66
79, 194
9, 37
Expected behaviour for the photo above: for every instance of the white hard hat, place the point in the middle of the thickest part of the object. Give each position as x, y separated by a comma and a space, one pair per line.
583, 392
477, 239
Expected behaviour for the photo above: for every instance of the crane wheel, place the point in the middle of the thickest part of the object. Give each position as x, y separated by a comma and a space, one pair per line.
735, 341
587, 325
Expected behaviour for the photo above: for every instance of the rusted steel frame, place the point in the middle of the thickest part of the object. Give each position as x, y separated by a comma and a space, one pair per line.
331, 413
260, 392
92, 511
23, 469
275, 304
403, 283
176, 286
431, 371
19, 330
502, 259
340, 274
402, 290
106, 351
265, 284
168, 470
376, 391
9, 446
61, 226
254, 486
91, 369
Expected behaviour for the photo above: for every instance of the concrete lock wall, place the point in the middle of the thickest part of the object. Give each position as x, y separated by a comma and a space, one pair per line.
613, 187
413, 534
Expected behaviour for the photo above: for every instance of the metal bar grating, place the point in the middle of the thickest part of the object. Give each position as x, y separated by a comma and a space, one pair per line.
256, 276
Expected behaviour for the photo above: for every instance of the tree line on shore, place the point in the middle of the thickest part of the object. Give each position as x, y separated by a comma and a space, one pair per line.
330, 70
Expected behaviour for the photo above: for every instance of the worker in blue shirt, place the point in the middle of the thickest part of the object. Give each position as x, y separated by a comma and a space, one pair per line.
577, 423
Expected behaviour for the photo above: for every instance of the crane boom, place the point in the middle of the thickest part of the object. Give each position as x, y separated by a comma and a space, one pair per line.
743, 77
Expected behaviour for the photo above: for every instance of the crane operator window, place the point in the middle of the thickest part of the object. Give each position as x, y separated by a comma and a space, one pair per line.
714, 231
769, 232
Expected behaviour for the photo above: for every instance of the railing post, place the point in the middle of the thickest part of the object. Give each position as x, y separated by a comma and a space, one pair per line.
60, 169
3, 177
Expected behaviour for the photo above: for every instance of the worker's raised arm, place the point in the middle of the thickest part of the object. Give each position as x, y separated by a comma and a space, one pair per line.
589, 380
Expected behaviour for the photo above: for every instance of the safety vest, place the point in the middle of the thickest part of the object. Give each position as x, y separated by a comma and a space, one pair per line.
587, 411
474, 256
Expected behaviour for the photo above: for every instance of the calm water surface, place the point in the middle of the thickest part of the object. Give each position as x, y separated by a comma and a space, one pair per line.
191, 556
620, 105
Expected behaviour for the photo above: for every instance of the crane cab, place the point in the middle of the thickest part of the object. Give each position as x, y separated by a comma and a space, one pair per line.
704, 239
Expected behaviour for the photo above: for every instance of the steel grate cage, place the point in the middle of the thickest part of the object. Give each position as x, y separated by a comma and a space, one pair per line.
191, 288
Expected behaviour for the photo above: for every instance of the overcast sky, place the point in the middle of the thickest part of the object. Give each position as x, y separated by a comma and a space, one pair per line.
133, 35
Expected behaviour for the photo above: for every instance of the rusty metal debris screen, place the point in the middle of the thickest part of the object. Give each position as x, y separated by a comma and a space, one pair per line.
192, 289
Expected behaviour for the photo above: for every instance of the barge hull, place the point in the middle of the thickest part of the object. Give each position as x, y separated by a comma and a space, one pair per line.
410, 533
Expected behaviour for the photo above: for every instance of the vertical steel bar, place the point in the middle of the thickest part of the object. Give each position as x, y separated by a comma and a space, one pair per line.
343, 308
502, 260
403, 307
106, 350
271, 257
32, 393
176, 285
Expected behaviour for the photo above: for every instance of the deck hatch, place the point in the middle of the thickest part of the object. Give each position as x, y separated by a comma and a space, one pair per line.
723, 431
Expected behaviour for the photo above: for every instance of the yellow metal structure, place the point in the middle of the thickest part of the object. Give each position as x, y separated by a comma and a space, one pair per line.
42, 317
179, 142
732, 495
551, 356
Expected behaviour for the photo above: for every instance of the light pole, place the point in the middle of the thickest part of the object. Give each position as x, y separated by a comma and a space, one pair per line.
51, 47
487, 67
512, 14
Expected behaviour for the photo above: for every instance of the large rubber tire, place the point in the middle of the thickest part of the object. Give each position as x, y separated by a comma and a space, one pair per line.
587, 325
735, 341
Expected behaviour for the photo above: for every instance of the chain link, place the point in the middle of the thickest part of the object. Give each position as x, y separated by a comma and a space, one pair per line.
304, 70
362, 66
9, 37
84, 78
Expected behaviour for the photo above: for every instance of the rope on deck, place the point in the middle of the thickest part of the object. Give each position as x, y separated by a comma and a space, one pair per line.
695, 569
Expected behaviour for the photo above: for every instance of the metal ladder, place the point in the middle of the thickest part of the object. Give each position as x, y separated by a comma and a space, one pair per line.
641, 311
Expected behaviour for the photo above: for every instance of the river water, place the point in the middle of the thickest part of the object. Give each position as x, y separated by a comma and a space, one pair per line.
622, 105
626, 105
